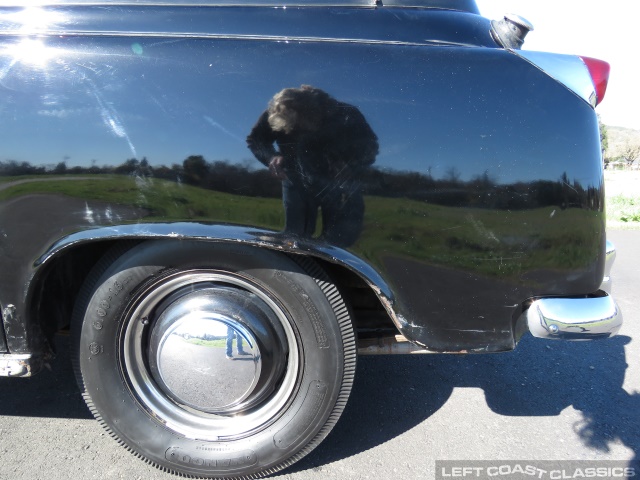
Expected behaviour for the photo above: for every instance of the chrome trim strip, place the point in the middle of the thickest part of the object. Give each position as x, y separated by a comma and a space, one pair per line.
574, 318
461, 5
213, 36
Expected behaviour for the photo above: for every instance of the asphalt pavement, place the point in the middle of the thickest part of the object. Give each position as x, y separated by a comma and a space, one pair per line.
544, 401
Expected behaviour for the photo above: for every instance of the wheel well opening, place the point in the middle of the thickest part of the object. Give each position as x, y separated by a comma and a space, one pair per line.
59, 284
370, 319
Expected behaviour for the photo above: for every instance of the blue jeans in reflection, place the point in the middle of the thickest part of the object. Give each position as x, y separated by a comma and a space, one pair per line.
231, 334
342, 211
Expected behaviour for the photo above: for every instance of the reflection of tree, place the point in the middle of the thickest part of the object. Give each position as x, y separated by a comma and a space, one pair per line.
12, 168
196, 170
484, 180
133, 166
453, 175
482, 191
60, 169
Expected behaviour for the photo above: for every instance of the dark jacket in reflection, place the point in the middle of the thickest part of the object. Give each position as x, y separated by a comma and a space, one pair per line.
323, 147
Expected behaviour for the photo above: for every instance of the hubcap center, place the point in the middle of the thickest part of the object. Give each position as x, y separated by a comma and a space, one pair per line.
202, 354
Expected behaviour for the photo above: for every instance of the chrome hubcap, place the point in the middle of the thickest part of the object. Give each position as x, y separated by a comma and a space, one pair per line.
210, 354
191, 348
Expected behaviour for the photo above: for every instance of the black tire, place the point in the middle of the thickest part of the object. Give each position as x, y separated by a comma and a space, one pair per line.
147, 343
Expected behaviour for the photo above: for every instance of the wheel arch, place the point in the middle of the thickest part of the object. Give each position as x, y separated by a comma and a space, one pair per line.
63, 268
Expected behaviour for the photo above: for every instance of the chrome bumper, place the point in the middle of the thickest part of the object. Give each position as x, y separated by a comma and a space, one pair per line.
578, 318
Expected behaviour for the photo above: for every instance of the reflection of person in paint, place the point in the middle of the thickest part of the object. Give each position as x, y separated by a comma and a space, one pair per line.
324, 146
231, 334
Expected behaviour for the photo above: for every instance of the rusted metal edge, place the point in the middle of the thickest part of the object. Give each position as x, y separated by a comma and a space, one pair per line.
20, 365
397, 345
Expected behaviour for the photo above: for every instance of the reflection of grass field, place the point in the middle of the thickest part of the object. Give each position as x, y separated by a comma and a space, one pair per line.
13, 179
479, 240
218, 343
494, 242
165, 200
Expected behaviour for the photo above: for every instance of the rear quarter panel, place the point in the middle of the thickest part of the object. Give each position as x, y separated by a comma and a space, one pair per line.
487, 189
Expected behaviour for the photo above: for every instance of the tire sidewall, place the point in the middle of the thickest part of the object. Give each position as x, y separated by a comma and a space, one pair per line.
112, 401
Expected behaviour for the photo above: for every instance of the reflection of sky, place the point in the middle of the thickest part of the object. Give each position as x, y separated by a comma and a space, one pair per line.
109, 99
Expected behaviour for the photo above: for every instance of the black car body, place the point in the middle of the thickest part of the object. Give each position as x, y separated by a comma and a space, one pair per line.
476, 215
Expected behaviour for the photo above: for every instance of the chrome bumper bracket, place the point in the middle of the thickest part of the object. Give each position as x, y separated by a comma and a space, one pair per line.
574, 318
19, 365
585, 318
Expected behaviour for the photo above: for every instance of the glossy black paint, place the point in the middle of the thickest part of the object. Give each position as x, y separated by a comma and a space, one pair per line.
486, 192
327, 24
3, 342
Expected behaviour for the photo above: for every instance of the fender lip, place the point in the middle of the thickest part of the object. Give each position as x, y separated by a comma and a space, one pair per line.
574, 318
231, 234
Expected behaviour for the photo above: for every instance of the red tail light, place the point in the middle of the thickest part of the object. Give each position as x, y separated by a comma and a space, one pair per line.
599, 71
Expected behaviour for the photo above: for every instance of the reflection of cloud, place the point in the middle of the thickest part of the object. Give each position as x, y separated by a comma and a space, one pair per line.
110, 115
51, 99
4, 71
159, 104
63, 112
215, 124
108, 112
